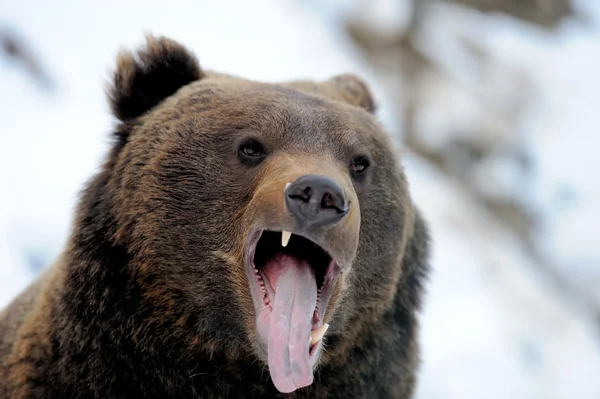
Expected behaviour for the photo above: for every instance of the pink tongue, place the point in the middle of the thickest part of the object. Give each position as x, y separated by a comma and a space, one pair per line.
295, 287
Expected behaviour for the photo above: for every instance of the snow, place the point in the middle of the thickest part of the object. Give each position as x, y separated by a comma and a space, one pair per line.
14, 274
494, 325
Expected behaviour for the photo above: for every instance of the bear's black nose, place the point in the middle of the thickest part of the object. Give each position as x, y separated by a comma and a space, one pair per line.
315, 201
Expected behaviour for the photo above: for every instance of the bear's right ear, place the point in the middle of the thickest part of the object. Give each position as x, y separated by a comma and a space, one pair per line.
353, 90
142, 80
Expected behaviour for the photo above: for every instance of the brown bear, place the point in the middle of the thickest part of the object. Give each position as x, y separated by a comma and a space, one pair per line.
242, 239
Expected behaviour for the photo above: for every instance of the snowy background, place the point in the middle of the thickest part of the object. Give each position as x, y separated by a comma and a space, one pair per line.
495, 106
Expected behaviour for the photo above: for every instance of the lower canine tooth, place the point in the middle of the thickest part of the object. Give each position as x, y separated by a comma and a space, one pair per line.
285, 238
316, 335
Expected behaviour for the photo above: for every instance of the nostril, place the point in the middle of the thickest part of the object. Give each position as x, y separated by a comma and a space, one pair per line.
307, 194
302, 195
330, 201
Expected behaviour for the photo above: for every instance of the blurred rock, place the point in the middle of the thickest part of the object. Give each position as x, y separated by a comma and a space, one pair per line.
20, 54
547, 13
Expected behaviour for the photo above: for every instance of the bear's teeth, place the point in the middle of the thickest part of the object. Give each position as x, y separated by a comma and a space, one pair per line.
285, 238
316, 335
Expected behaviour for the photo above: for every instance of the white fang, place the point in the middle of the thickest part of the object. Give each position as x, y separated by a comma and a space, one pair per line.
285, 238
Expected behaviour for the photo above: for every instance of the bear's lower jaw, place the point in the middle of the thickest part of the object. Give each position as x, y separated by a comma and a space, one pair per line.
291, 288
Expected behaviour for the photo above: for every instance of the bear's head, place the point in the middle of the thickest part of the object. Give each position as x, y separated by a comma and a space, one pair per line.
254, 216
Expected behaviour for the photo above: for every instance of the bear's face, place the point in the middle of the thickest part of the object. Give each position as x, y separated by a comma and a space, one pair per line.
260, 214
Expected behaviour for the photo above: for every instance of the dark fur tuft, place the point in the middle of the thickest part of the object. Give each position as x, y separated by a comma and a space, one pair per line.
143, 79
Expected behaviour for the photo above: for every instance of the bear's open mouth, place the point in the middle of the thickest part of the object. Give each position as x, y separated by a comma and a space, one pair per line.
292, 280
269, 248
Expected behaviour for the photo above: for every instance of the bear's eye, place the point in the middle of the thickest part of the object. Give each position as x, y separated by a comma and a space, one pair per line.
252, 152
359, 165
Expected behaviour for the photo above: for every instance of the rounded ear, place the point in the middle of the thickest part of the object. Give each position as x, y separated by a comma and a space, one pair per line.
145, 78
354, 91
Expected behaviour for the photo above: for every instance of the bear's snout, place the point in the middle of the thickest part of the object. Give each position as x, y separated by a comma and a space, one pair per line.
295, 195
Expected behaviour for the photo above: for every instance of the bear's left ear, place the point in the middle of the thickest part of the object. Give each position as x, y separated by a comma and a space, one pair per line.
354, 91
145, 78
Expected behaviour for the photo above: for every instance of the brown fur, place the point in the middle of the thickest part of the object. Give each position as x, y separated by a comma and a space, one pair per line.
150, 297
